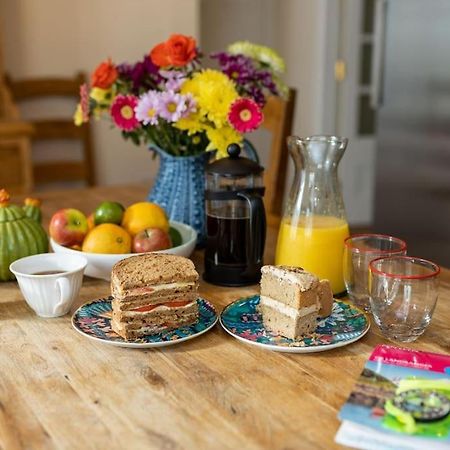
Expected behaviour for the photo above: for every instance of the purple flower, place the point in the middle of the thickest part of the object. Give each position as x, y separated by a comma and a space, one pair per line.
251, 79
147, 108
266, 80
171, 106
124, 70
191, 105
257, 94
238, 67
174, 79
144, 74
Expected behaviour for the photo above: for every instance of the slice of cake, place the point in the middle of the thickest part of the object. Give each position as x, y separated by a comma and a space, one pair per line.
290, 300
153, 293
325, 294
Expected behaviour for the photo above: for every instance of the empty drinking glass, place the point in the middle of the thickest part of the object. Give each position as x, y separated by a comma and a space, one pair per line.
403, 295
359, 250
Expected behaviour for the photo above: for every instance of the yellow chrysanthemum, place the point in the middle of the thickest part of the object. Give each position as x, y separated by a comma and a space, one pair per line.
214, 93
101, 96
192, 124
78, 116
221, 138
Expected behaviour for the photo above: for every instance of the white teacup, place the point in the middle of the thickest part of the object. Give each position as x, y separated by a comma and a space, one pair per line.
50, 282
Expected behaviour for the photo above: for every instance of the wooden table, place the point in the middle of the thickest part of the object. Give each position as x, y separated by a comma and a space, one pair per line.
59, 390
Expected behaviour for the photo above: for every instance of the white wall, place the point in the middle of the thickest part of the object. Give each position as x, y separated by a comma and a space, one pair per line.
60, 37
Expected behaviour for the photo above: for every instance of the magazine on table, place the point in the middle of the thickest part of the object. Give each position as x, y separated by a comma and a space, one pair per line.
400, 401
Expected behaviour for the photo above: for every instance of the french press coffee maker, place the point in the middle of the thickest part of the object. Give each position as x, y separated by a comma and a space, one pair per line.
235, 220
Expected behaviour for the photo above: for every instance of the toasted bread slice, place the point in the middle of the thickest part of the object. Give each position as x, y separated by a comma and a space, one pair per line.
151, 269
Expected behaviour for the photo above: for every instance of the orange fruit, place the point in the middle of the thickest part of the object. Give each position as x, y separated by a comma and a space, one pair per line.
90, 221
142, 215
107, 238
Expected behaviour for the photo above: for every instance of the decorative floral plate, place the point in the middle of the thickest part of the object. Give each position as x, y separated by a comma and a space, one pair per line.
93, 320
345, 325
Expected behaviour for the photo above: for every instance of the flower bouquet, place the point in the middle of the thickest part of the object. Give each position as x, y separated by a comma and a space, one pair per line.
179, 107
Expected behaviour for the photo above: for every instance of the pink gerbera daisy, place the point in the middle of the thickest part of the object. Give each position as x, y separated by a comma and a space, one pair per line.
245, 115
122, 112
84, 102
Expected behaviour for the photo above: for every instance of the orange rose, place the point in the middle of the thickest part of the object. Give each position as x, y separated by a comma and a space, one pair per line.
104, 75
177, 51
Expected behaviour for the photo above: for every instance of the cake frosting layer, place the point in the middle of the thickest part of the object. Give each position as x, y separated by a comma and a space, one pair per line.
305, 280
288, 310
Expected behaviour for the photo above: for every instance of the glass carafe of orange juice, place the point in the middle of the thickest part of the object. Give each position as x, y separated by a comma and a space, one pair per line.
314, 223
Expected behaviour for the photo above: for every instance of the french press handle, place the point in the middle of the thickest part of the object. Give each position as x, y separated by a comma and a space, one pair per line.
257, 224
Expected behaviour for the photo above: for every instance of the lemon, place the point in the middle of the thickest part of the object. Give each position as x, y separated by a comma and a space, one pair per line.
142, 215
107, 238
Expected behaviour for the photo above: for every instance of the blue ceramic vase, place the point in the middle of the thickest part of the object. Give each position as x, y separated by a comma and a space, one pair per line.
180, 189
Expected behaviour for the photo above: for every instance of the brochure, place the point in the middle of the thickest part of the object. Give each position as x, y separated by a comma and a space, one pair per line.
401, 400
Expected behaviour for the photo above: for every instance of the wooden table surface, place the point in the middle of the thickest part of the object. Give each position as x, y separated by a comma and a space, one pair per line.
59, 390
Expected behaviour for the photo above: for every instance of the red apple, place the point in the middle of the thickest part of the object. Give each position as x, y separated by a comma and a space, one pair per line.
68, 227
151, 240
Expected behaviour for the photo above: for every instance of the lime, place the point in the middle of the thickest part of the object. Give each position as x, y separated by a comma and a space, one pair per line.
175, 236
108, 212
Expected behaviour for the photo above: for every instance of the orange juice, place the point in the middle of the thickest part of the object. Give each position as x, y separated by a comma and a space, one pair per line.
316, 243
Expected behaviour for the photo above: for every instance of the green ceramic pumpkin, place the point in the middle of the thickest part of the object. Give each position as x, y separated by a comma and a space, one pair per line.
32, 209
20, 235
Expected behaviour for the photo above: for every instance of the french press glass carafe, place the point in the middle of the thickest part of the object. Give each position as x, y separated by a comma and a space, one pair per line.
235, 220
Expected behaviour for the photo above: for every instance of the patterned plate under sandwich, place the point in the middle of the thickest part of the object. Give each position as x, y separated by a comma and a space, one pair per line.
93, 320
152, 295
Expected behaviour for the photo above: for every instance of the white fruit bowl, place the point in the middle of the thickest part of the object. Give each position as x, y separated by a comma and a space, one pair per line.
100, 264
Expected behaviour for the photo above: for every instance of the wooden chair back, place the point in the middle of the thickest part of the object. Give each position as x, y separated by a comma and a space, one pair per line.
278, 119
57, 129
15, 156
15, 150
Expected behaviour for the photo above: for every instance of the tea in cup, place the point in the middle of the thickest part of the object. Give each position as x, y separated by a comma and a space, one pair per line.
50, 282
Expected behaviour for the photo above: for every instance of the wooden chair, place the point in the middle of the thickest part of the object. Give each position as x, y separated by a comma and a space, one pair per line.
15, 156
278, 118
57, 129
15, 151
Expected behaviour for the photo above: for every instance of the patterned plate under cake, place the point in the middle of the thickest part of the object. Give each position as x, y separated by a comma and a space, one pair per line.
345, 325
93, 320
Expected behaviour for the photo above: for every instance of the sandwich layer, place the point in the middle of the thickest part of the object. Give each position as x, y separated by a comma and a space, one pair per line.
121, 305
148, 270
149, 313
157, 290
157, 325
